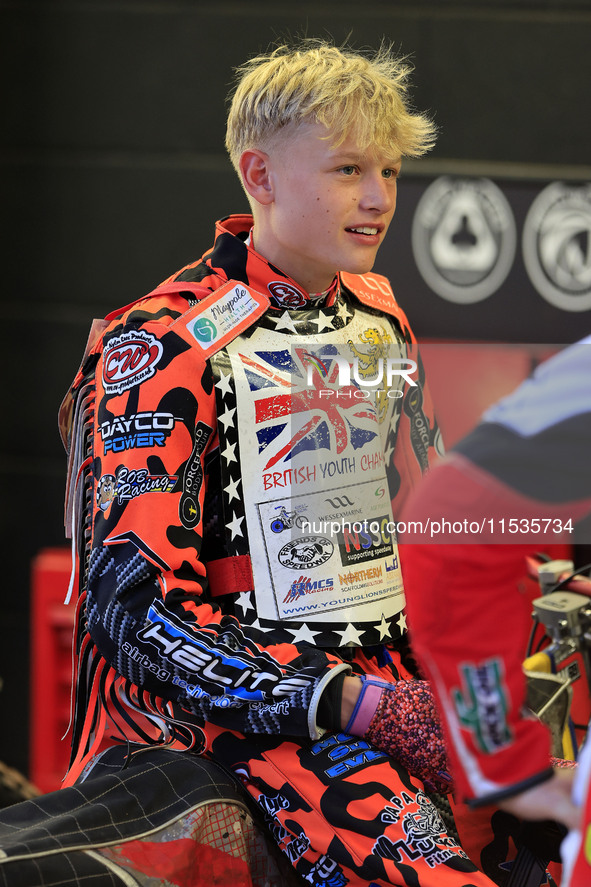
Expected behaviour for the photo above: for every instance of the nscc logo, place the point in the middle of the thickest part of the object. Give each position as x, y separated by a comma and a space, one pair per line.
365, 540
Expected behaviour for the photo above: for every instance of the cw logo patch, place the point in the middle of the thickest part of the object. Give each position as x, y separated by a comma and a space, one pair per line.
481, 705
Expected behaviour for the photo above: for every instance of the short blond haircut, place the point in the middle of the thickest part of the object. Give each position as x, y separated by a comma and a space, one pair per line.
346, 91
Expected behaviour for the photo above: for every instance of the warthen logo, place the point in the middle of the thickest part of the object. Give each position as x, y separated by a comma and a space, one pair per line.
354, 378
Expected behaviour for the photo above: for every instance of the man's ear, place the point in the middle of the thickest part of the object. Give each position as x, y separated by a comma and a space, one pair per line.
256, 175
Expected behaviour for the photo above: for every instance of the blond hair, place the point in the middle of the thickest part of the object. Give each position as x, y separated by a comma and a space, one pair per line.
346, 91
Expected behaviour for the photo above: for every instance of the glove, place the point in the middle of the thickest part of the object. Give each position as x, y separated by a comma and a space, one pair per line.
401, 719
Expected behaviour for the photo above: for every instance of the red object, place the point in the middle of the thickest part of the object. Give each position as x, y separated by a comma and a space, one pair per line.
52, 624
465, 378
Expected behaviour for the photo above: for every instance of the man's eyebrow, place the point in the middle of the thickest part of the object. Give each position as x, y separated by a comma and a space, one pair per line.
350, 157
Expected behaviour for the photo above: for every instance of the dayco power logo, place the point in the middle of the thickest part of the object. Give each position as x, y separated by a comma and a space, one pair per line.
557, 246
307, 551
129, 359
482, 706
147, 429
189, 508
463, 238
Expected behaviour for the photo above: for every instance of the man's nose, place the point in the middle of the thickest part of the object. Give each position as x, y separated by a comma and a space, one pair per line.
379, 194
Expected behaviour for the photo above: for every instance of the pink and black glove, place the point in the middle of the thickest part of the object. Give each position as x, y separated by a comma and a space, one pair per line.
401, 719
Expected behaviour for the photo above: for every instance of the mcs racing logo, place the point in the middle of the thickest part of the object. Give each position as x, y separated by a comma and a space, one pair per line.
305, 585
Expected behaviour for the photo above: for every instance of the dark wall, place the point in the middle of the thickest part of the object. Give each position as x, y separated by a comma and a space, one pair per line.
113, 171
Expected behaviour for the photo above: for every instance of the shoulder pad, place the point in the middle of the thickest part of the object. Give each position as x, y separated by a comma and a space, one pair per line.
177, 286
373, 290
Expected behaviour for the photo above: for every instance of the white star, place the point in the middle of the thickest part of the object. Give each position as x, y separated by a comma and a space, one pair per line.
232, 489
388, 452
228, 453
244, 600
349, 635
323, 321
402, 622
342, 311
256, 624
234, 526
227, 417
285, 322
224, 383
383, 628
303, 633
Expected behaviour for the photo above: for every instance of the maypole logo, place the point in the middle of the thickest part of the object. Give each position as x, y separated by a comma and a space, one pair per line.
353, 376
204, 329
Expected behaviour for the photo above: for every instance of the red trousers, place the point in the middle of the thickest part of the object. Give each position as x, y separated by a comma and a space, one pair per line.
344, 812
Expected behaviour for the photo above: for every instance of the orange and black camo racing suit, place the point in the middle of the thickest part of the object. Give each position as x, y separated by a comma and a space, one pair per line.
180, 641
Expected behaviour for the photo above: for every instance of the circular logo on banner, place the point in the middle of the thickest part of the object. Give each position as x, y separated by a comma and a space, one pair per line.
308, 551
463, 238
286, 295
557, 245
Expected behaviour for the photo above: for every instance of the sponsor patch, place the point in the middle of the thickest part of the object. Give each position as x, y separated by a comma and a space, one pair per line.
189, 507
306, 552
129, 483
146, 429
481, 705
305, 585
286, 295
365, 541
223, 315
130, 359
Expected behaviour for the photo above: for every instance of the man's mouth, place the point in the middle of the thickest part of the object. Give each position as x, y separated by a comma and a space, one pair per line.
365, 230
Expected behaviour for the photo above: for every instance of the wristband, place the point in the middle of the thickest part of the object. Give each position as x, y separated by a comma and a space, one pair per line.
366, 705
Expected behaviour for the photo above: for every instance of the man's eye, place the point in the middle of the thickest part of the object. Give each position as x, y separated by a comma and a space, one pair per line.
348, 170
390, 173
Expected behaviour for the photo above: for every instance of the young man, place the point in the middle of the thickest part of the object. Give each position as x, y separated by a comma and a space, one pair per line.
214, 427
